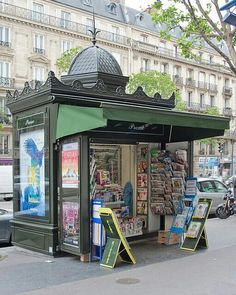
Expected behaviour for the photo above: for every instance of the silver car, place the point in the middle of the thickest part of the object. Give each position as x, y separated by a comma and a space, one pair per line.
5, 227
212, 189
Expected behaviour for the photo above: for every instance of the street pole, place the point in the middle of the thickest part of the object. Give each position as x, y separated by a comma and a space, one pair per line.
232, 157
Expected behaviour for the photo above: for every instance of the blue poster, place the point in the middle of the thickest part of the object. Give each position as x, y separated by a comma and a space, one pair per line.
32, 174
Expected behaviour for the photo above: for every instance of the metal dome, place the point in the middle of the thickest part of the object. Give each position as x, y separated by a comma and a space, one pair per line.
94, 59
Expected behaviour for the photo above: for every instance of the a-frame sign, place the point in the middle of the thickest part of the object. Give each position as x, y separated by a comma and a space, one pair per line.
196, 236
116, 245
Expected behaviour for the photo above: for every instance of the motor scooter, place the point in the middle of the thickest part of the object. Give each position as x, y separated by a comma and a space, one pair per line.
227, 208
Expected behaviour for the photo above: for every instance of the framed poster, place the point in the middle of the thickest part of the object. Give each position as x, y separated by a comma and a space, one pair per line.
32, 173
70, 165
70, 222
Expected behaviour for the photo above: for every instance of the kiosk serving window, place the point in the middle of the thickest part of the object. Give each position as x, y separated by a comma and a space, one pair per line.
30, 180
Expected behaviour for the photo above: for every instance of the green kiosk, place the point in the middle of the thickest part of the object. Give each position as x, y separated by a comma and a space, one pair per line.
53, 127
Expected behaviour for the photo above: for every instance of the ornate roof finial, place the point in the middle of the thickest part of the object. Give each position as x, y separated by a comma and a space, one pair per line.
94, 31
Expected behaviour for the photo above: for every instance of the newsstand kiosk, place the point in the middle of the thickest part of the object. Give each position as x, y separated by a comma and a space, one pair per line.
54, 126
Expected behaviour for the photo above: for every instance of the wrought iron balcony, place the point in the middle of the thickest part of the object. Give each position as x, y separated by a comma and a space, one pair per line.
48, 20
213, 87
145, 69
39, 50
228, 112
7, 152
178, 80
5, 44
227, 90
202, 85
146, 46
190, 82
6, 82
197, 107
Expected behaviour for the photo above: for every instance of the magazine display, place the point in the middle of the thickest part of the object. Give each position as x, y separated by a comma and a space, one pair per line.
193, 229
200, 210
179, 221
167, 174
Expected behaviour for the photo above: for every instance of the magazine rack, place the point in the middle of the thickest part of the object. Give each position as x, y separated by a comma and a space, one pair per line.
184, 211
196, 233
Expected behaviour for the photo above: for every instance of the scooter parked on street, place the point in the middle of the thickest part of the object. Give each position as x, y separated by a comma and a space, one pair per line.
227, 208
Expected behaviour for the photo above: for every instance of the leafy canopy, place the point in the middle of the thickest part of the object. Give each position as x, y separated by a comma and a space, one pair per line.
154, 81
63, 63
200, 23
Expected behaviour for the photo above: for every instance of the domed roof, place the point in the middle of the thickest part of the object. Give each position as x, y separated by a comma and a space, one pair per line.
94, 59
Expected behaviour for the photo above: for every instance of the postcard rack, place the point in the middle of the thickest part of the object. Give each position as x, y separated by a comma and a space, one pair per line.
185, 209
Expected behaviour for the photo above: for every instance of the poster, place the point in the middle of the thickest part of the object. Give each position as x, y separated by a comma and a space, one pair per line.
70, 170
70, 223
32, 173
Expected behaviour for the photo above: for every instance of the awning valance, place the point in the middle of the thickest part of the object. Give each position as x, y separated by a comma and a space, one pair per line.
76, 119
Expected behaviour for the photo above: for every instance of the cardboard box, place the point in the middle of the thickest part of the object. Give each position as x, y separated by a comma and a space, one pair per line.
164, 237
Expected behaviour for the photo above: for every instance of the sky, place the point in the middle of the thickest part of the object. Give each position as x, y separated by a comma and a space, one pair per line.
139, 3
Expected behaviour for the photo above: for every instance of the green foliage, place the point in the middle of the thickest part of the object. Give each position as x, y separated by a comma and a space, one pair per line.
154, 81
63, 63
194, 19
213, 111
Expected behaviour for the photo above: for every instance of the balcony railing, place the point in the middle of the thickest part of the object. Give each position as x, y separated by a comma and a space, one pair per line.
197, 107
33, 83
5, 44
213, 87
228, 112
202, 85
227, 90
145, 69
7, 152
6, 82
190, 82
178, 80
39, 50
48, 20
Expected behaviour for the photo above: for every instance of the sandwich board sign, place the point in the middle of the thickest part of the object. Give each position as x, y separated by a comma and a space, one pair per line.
116, 245
196, 236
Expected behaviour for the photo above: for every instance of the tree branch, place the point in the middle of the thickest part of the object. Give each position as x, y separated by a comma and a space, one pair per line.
223, 25
208, 19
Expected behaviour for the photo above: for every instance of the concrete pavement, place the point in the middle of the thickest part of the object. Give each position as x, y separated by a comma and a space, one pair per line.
159, 269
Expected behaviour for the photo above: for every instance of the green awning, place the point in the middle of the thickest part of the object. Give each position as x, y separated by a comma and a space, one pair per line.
75, 119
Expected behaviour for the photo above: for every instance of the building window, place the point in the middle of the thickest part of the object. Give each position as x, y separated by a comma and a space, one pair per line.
175, 50
65, 45
38, 11
4, 36
115, 33
38, 74
211, 59
87, 2
200, 56
4, 144
144, 38
202, 105
117, 57
39, 44
212, 100
177, 71
4, 69
164, 68
89, 25
140, 16
112, 7
145, 65
190, 96
211, 149
202, 148
65, 19
155, 65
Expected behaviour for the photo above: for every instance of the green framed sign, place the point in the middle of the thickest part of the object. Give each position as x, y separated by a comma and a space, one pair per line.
117, 245
196, 236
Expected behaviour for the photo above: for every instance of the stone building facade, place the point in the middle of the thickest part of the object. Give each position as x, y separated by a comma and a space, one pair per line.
35, 33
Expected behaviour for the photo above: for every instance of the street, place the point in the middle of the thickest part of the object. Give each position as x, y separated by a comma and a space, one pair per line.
8, 205
159, 270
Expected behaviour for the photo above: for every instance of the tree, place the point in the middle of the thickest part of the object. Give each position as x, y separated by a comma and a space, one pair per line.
196, 20
63, 63
154, 81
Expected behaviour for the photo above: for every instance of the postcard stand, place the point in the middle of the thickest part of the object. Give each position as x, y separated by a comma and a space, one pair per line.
116, 245
196, 236
184, 210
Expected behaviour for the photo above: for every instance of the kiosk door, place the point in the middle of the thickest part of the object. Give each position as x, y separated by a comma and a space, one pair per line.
69, 197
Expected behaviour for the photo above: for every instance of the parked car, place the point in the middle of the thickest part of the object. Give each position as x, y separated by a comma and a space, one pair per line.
6, 183
212, 189
5, 227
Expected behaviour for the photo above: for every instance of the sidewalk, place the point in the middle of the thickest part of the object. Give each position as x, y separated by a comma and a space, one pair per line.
159, 269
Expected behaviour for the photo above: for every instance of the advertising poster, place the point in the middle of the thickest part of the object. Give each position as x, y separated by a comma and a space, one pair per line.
70, 170
70, 223
32, 173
